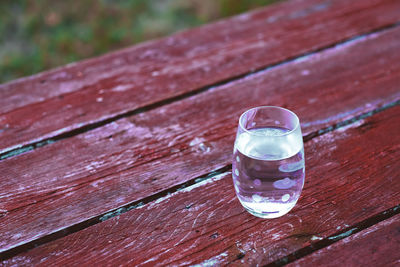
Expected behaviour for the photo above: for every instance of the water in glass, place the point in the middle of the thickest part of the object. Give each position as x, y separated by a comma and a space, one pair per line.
268, 170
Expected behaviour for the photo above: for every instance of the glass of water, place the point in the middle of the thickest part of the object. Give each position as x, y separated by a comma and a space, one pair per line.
268, 161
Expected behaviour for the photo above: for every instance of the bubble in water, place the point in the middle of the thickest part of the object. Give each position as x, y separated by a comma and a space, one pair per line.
257, 182
256, 198
257, 168
285, 197
284, 183
291, 167
237, 159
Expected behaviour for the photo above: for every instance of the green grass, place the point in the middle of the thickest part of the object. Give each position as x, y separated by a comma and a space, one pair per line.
42, 34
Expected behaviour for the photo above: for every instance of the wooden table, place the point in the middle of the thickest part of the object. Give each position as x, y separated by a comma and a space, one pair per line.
125, 159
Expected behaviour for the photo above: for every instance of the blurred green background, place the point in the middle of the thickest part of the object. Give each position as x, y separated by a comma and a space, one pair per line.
36, 35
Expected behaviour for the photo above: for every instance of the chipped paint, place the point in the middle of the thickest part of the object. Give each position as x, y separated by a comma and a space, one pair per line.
352, 125
207, 181
343, 235
214, 261
121, 88
119, 211
333, 118
196, 141
314, 237
308, 11
163, 199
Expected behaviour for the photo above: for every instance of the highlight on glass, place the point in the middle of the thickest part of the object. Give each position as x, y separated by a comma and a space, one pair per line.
268, 167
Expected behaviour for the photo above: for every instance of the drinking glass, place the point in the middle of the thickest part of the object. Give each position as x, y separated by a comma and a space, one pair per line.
268, 161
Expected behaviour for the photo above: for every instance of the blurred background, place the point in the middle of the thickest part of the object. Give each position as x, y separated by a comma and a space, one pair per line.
37, 35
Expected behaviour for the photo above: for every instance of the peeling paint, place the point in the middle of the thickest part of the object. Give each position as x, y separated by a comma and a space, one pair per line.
121, 88
119, 211
204, 182
214, 261
343, 235
196, 141
314, 237
352, 125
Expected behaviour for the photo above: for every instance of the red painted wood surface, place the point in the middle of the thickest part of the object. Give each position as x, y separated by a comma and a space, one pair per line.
352, 174
378, 245
55, 102
78, 178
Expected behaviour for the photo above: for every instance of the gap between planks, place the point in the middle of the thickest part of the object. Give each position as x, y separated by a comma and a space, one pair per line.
91, 126
209, 177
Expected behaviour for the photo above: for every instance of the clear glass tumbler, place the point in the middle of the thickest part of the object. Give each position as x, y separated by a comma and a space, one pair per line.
268, 161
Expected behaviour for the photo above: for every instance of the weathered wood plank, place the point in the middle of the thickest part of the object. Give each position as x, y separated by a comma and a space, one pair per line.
352, 174
55, 102
76, 179
378, 245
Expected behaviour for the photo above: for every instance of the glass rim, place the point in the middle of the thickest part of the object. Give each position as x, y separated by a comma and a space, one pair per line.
270, 107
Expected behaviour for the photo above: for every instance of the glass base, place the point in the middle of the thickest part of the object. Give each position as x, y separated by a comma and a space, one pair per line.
268, 210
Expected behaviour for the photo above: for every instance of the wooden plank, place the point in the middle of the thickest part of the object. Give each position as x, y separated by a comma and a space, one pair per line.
378, 245
76, 179
352, 174
49, 104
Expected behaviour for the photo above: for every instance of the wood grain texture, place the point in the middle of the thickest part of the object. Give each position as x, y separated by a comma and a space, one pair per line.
378, 245
56, 102
78, 178
352, 174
